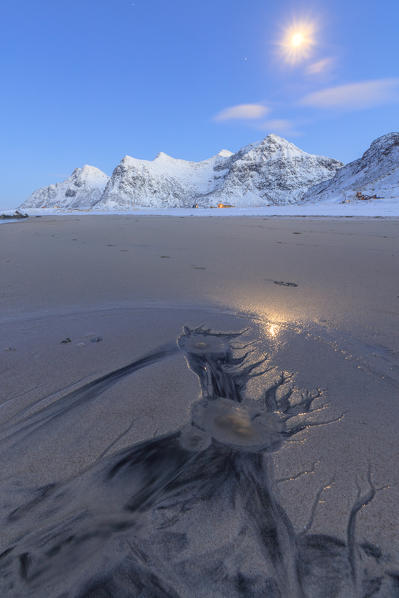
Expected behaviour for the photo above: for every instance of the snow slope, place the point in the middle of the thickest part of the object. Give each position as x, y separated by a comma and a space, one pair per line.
375, 173
82, 189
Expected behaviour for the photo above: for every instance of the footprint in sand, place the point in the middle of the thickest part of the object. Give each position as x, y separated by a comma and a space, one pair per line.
281, 283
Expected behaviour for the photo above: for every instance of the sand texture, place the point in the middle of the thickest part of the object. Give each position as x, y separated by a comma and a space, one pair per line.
199, 407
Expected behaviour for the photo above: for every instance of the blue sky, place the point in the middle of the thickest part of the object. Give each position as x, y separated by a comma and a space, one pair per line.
88, 81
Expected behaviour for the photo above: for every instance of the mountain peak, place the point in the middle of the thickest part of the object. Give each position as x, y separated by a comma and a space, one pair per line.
277, 139
89, 168
91, 174
224, 153
385, 140
83, 188
272, 145
163, 156
376, 173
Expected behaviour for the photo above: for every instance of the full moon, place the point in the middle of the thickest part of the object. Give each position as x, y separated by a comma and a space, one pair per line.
297, 41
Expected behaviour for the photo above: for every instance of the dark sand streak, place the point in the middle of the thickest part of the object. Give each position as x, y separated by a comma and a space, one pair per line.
86, 393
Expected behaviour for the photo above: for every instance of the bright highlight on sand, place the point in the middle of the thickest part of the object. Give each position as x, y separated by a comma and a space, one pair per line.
297, 41
273, 330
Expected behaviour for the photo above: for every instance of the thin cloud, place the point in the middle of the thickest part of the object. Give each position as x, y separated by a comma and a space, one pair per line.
319, 67
355, 96
280, 126
242, 112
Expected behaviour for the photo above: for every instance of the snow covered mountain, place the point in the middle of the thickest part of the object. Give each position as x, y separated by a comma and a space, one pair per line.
272, 171
82, 189
162, 182
375, 173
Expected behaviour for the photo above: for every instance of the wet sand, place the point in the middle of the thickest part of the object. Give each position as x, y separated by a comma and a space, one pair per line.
267, 469
346, 270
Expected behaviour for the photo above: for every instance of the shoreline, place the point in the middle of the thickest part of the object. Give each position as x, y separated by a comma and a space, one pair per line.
364, 209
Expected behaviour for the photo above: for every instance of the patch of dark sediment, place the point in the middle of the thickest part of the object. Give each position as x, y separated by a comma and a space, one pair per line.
225, 503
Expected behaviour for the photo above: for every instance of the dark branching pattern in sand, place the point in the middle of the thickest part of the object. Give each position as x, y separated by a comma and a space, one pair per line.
194, 513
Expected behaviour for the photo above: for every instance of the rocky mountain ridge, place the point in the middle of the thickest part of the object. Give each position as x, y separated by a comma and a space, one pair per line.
84, 188
272, 171
376, 173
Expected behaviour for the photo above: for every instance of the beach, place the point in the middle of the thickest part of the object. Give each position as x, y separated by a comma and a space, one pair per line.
294, 320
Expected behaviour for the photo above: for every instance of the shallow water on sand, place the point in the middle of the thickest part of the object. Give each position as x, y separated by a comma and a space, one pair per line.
184, 452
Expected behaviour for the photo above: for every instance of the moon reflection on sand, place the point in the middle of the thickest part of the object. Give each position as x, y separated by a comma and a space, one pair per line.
193, 513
